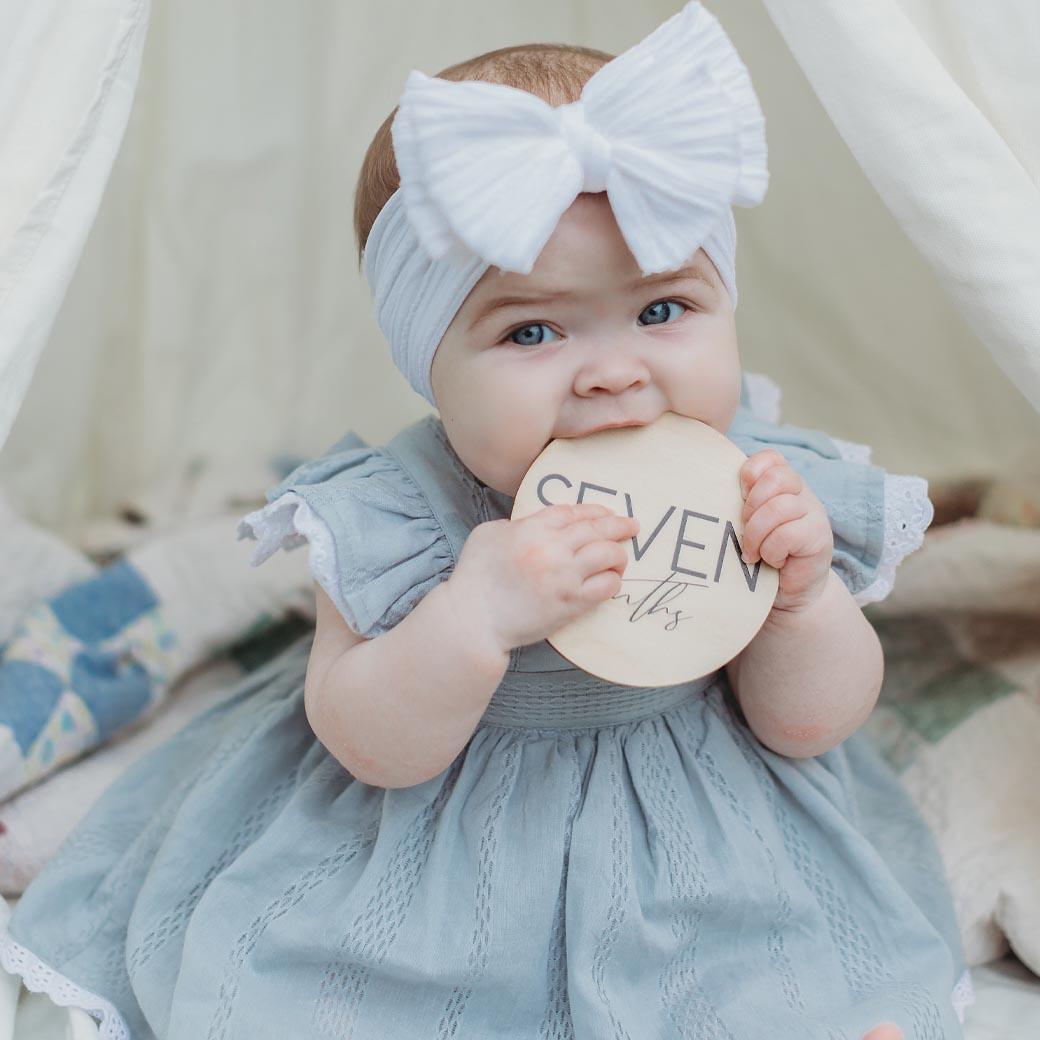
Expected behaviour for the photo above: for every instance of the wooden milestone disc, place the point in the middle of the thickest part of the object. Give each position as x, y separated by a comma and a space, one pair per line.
688, 603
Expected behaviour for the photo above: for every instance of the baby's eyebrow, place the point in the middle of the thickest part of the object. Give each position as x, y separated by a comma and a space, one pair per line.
497, 303
693, 271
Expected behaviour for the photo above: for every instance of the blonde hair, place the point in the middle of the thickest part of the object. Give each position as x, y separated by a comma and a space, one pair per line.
555, 72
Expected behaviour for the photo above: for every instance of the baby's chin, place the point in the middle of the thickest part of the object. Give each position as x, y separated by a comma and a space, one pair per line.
503, 483
509, 484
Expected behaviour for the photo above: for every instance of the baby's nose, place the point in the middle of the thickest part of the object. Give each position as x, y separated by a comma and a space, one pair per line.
611, 371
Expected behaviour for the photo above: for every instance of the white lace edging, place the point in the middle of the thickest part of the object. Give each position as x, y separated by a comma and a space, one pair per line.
274, 527
963, 995
287, 523
40, 978
908, 512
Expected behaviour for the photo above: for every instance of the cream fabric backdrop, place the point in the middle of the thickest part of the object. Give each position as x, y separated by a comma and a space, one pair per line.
218, 315
958, 163
68, 72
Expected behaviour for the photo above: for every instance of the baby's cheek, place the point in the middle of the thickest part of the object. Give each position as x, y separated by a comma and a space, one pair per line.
502, 455
707, 387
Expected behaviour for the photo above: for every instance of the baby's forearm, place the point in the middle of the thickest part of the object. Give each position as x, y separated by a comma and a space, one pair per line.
811, 678
397, 709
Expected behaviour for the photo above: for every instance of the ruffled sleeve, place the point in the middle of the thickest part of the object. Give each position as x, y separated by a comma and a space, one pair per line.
376, 547
878, 518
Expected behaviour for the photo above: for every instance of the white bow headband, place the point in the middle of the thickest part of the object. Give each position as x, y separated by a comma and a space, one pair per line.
671, 129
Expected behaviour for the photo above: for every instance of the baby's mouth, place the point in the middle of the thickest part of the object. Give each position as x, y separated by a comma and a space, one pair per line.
597, 429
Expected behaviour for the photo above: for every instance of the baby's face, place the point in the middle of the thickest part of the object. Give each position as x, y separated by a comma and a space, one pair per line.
581, 342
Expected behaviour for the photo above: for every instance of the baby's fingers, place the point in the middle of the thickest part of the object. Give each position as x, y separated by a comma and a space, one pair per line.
774, 481
612, 527
565, 513
601, 586
601, 555
776, 511
756, 465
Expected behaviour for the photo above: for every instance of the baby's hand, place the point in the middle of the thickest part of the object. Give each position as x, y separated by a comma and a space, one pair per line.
787, 526
530, 577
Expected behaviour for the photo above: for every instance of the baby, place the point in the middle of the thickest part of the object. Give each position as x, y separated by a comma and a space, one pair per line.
582, 342
424, 821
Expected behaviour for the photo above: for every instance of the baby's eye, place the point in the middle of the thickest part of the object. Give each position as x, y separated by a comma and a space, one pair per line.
657, 313
530, 336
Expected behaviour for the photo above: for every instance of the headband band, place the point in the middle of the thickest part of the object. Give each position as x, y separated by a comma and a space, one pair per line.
416, 297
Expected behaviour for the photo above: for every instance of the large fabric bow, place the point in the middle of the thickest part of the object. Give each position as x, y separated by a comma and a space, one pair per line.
671, 129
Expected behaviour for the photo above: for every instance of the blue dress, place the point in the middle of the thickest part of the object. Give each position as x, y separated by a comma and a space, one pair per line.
598, 861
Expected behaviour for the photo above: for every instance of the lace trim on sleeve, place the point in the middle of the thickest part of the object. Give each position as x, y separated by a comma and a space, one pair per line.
287, 523
40, 978
908, 512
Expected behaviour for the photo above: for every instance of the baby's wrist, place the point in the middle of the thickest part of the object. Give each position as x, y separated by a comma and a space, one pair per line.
481, 641
787, 609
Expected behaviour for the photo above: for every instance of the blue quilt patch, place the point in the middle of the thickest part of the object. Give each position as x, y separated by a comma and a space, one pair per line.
95, 640
101, 607
28, 694
113, 686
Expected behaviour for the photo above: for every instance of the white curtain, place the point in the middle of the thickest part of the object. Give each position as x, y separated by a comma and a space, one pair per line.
939, 100
68, 70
